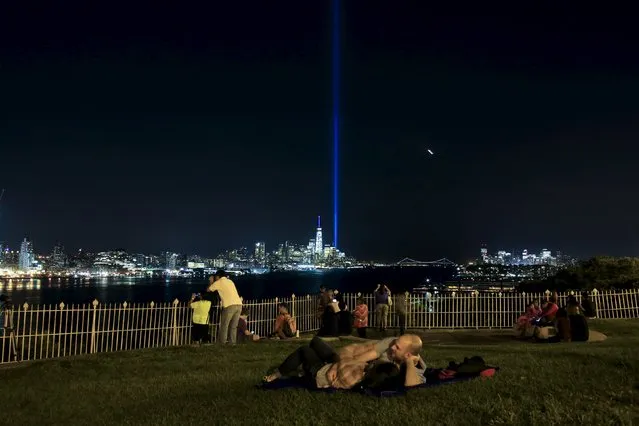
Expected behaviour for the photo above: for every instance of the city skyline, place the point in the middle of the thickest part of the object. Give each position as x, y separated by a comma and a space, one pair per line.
485, 254
222, 127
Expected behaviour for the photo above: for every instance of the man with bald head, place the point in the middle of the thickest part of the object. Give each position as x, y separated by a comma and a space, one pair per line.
403, 350
326, 369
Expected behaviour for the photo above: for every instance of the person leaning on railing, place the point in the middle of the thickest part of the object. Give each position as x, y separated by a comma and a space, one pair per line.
400, 302
231, 305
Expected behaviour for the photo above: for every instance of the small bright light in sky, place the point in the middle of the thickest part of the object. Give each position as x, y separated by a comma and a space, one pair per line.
430, 152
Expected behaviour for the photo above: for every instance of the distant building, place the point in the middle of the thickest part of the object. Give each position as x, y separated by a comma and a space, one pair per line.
113, 261
319, 246
58, 260
172, 260
260, 253
26, 255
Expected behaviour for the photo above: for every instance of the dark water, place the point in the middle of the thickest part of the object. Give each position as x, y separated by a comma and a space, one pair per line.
280, 284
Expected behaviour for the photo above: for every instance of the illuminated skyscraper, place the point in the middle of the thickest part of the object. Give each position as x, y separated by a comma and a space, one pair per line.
260, 253
172, 260
26, 255
319, 247
484, 253
58, 258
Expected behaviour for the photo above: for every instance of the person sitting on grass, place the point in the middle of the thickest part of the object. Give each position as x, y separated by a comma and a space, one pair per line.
549, 312
588, 306
285, 326
579, 331
573, 307
360, 317
524, 326
243, 333
323, 368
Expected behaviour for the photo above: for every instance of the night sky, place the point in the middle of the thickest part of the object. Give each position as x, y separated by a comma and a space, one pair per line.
201, 129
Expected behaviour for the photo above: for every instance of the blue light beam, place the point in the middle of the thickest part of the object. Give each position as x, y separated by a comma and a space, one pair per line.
336, 67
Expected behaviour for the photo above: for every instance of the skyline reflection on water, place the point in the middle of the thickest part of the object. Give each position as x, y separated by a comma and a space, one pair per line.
116, 290
280, 284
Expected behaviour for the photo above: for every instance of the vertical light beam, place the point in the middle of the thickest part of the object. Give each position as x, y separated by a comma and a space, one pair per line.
336, 57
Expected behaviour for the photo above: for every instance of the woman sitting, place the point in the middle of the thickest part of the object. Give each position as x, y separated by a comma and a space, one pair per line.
573, 307
548, 312
577, 319
524, 326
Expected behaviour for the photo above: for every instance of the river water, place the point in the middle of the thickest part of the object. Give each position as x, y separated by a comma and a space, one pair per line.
279, 284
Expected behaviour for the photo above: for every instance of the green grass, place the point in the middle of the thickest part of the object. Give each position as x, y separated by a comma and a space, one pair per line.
595, 383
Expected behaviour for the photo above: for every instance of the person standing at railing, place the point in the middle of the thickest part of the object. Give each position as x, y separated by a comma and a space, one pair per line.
200, 327
3, 301
6, 327
325, 297
324, 313
231, 305
382, 303
399, 300
6, 315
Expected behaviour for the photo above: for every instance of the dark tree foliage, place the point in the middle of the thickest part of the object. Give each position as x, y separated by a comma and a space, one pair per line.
602, 273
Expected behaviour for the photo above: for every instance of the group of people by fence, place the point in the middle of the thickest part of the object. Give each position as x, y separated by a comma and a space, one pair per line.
337, 320
233, 321
231, 305
550, 323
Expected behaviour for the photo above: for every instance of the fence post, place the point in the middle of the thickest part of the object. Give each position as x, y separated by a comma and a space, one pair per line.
60, 335
476, 305
597, 302
95, 304
452, 309
293, 305
174, 335
124, 318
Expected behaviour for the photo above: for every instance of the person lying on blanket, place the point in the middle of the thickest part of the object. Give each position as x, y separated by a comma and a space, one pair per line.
324, 368
398, 350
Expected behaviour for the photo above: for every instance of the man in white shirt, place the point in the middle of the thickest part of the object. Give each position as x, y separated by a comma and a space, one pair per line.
231, 305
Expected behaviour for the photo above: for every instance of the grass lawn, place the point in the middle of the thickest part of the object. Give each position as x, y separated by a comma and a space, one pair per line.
578, 383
